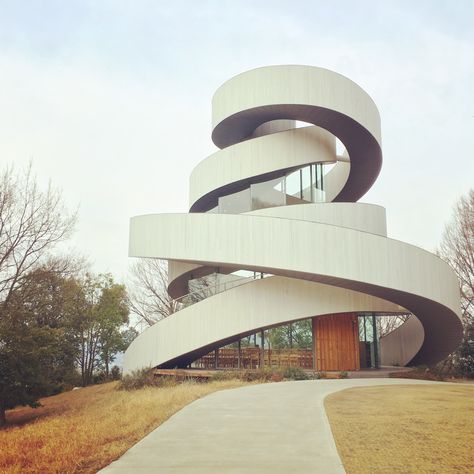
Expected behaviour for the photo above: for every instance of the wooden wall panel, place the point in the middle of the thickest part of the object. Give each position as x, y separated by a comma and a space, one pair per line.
336, 339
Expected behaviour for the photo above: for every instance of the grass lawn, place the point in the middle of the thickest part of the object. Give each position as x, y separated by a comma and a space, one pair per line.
86, 429
404, 429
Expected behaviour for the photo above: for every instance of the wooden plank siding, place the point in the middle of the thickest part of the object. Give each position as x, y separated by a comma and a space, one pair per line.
336, 340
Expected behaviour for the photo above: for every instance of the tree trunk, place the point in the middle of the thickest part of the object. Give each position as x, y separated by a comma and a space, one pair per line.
3, 418
106, 359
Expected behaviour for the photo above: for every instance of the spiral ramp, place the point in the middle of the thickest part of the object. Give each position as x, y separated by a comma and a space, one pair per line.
323, 253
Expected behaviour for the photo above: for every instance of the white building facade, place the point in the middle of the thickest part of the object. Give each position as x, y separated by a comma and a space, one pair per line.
275, 225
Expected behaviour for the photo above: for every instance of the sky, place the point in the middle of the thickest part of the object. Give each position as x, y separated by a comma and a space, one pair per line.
111, 100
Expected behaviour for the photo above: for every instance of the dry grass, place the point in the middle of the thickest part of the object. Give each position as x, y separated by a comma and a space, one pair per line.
84, 430
404, 429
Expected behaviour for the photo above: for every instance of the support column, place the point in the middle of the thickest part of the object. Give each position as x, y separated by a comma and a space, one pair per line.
238, 354
262, 349
376, 346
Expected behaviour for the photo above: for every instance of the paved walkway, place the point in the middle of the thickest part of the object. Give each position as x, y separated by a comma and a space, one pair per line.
268, 428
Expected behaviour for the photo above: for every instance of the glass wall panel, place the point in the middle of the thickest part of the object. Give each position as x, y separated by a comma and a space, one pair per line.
289, 345
293, 187
297, 187
297, 335
320, 184
369, 341
306, 191
319, 195
235, 203
268, 194
305, 185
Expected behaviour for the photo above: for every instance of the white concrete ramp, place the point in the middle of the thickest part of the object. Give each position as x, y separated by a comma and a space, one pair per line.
268, 428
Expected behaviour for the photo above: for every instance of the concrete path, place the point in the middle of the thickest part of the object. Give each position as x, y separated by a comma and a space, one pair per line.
269, 428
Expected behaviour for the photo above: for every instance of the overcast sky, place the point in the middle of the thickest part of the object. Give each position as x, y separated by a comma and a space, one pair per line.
111, 100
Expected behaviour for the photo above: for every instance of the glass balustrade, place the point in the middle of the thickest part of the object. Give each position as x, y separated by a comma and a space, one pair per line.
303, 185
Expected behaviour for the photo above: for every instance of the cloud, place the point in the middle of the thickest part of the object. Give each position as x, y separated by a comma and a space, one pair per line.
111, 100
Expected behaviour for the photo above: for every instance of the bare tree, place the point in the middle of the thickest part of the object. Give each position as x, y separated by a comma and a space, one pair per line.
32, 222
201, 288
149, 298
457, 249
388, 323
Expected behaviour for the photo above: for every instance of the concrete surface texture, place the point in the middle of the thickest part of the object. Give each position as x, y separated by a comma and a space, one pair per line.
268, 428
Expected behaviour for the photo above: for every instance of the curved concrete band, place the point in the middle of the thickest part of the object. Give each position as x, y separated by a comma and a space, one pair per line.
260, 159
363, 262
309, 94
364, 217
326, 257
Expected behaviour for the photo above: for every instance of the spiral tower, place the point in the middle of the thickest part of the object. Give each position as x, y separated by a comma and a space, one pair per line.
279, 200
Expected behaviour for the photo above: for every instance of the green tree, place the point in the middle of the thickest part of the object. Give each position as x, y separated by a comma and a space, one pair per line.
113, 312
32, 222
100, 317
25, 354
36, 350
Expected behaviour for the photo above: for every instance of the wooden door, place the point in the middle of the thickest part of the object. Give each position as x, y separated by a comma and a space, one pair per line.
336, 340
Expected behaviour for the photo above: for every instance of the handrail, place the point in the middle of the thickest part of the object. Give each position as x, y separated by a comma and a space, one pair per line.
180, 305
220, 284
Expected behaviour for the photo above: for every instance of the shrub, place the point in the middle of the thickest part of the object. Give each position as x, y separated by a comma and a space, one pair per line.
219, 375
115, 372
261, 375
465, 360
266, 374
99, 377
294, 373
342, 374
422, 372
276, 377
137, 379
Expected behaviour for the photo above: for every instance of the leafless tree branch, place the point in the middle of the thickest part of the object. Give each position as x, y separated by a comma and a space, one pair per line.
147, 289
457, 249
32, 222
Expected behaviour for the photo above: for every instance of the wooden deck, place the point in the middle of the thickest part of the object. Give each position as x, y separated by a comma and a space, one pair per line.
183, 374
